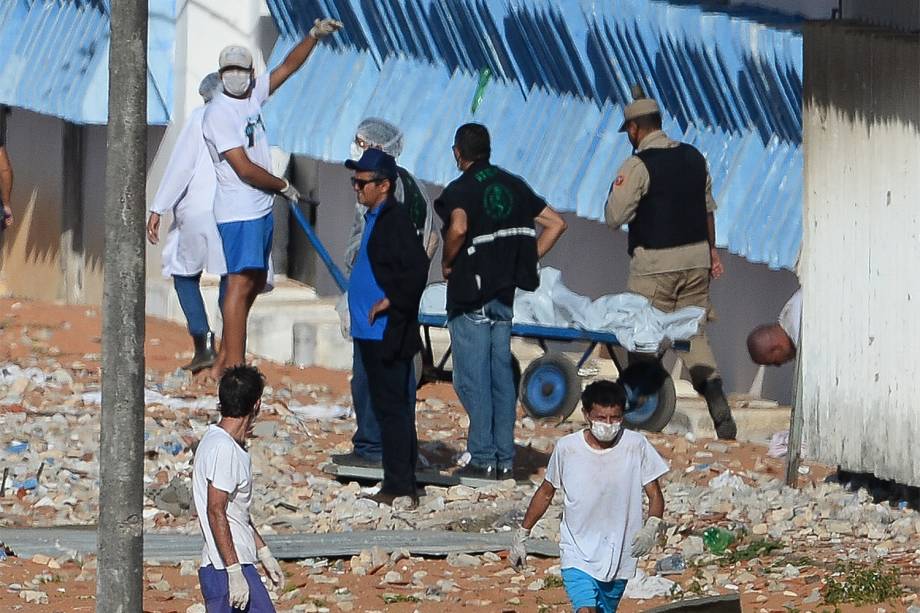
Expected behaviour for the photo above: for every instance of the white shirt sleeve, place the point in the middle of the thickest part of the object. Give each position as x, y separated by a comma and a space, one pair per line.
180, 169
222, 468
260, 91
222, 129
652, 465
790, 318
554, 469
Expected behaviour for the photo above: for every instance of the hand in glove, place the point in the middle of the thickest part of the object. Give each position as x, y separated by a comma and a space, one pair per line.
239, 587
290, 192
646, 537
517, 554
272, 568
324, 27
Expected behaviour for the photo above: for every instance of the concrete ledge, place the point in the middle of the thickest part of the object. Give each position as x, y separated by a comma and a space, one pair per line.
756, 424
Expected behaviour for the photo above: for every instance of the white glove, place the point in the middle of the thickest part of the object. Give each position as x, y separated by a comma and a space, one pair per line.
646, 537
271, 567
341, 308
239, 587
324, 27
517, 553
290, 192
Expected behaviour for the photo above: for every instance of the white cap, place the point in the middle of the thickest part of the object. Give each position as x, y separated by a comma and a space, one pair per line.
235, 56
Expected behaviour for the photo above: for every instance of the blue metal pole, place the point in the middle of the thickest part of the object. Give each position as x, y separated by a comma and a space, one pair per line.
307, 227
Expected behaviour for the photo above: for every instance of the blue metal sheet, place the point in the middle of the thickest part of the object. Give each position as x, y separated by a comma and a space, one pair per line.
55, 58
730, 83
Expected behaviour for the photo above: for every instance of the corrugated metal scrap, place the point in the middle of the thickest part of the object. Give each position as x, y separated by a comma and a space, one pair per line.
55, 58
562, 70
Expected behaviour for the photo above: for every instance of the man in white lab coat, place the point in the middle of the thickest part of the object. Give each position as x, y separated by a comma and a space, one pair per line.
192, 243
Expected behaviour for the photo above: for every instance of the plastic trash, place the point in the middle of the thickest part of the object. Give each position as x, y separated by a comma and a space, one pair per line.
671, 565
17, 447
717, 540
172, 447
28, 484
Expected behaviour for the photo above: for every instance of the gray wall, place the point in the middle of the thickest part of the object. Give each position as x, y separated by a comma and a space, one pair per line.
593, 261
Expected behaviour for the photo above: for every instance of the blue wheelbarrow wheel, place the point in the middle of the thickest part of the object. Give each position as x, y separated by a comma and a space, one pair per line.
550, 387
651, 411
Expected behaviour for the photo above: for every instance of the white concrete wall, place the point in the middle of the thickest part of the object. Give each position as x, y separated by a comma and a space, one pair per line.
862, 242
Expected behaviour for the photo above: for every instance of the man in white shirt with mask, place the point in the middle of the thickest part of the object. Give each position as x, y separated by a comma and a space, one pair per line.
602, 472
239, 148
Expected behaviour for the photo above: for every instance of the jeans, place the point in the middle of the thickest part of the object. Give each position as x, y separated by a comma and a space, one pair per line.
215, 588
366, 439
188, 289
484, 381
389, 385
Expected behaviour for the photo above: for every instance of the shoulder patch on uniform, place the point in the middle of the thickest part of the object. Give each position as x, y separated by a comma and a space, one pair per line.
619, 180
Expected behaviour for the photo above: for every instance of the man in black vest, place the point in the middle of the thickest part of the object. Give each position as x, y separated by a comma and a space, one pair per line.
491, 248
664, 193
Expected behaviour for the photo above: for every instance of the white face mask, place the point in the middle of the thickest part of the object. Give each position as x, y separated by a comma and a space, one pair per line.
236, 82
355, 151
605, 432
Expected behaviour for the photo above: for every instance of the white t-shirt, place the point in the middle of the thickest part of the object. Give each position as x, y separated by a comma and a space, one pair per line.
230, 123
602, 505
221, 461
790, 318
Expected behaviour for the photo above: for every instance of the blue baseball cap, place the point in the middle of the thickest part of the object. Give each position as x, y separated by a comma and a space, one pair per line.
374, 160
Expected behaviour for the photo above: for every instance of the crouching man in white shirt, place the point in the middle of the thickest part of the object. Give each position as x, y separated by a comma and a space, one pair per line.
222, 488
602, 472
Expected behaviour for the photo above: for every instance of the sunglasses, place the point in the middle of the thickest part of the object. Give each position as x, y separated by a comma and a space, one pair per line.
362, 183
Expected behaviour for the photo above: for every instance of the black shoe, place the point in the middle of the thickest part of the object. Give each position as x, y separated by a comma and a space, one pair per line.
719, 410
471, 471
503, 474
354, 459
204, 353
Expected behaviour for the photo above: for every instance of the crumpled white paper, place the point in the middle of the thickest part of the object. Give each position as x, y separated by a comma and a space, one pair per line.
644, 587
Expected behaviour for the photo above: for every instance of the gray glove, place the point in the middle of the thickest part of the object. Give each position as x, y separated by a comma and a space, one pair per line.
239, 587
324, 27
517, 553
646, 537
290, 192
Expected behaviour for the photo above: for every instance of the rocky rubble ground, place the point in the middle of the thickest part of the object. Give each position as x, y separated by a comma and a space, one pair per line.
790, 543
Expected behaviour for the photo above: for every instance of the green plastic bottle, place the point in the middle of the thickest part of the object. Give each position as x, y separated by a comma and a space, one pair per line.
718, 539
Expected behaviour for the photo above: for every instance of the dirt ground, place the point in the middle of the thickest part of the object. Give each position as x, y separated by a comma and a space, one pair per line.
72, 336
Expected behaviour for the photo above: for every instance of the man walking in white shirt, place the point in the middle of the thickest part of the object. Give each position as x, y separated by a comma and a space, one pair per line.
222, 488
602, 472
192, 243
235, 134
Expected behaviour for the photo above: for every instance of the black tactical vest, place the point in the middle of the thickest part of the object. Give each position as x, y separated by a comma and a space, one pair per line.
673, 212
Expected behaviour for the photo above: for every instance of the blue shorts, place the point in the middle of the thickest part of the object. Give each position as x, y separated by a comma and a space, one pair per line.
247, 244
586, 591
215, 587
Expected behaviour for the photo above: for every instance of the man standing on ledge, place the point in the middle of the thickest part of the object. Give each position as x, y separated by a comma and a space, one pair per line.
664, 192
491, 248
384, 292
235, 134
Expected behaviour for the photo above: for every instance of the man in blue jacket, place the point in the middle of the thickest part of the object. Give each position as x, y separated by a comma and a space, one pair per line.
384, 291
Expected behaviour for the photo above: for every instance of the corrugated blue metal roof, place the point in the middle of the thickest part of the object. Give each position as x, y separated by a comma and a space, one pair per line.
54, 58
730, 85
